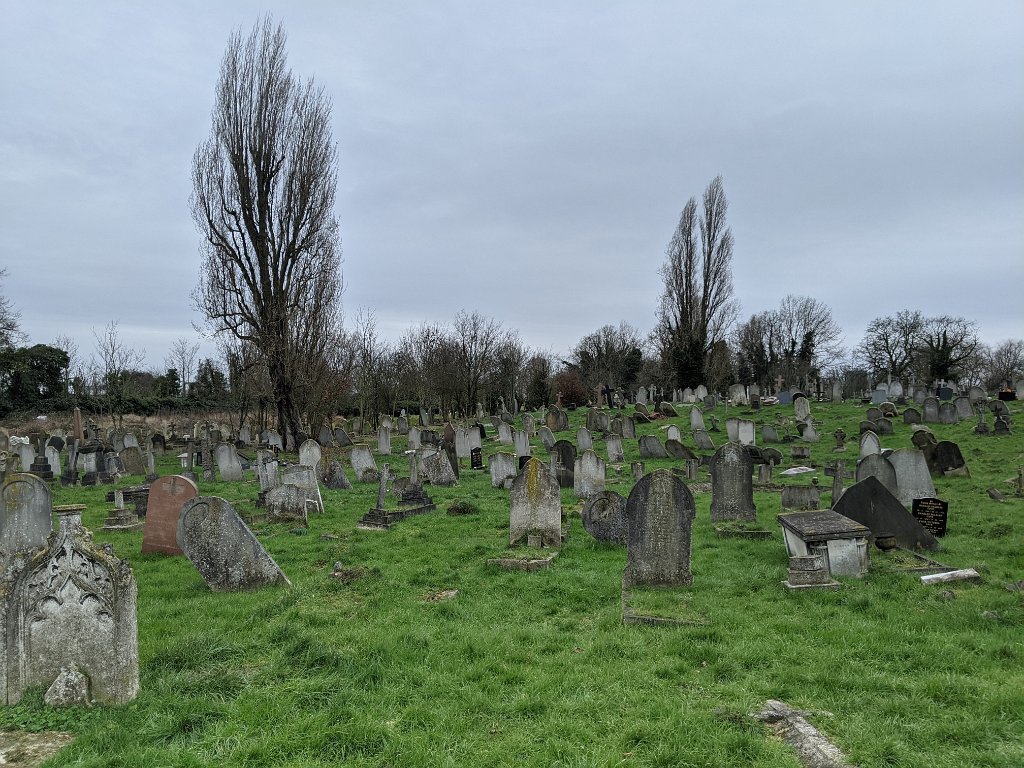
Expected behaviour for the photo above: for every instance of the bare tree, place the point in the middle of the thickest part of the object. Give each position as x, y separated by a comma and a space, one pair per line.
890, 344
182, 358
949, 347
74, 371
1004, 364
114, 361
10, 321
263, 199
477, 339
610, 356
697, 305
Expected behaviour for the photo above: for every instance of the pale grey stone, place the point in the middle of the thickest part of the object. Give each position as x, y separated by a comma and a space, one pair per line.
363, 464
26, 517
878, 466
227, 462
588, 475
438, 469
913, 480
70, 689
502, 466
384, 441
310, 454
584, 440
535, 507
869, 444
613, 444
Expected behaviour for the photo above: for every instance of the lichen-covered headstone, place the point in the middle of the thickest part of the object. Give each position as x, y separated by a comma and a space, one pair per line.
310, 454
584, 440
535, 509
223, 549
732, 484
167, 495
305, 478
288, 502
438, 469
659, 518
72, 606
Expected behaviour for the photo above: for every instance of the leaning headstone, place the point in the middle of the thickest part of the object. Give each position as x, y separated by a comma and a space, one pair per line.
325, 437
73, 606
167, 495
342, 438
696, 418
535, 508
870, 504
666, 409
629, 428
801, 408
335, 479
878, 466
732, 484
546, 437
913, 481
305, 478
363, 464
677, 450
584, 440
588, 475
438, 469
503, 467
659, 520
226, 456
945, 458
223, 549
703, 440
604, 517
651, 448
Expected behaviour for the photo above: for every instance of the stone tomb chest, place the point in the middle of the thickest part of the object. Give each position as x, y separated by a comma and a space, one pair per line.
841, 542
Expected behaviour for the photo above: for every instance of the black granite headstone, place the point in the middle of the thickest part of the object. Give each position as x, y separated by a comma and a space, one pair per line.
870, 503
932, 514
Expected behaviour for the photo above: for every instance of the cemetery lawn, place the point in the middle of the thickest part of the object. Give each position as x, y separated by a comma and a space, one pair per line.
537, 668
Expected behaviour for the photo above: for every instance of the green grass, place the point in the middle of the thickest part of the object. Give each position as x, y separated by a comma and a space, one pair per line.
537, 668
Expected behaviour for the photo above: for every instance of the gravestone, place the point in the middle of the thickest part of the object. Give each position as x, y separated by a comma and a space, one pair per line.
629, 428
363, 464
801, 408
503, 466
325, 437
53, 459
703, 440
672, 433
584, 441
913, 481
402, 425
310, 454
588, 475
932, 514
26, 516
476, 458
945, 458
869, 503
535, 508
947, 413
931, 410
920, 395
837, 392
167, 495
223, 549
504, 433
840, 436
73, 606
564, 455
964, 409
651, 448
883, 426
700, 392
869, 444
873, 414
895, 390
597, 421
305, 479
414, 438
659, 520
288, 502
732, 430
769, 434
839, 541
802, 497
912, 416
641, 396
785, 397
880, 394
462, 448
226, 457
383, 441
666, 409
613, 444
604, 518
732, 485
438, 469
946, 393
677, 450
335, 478
745, 432
529, 424
877, 466
738, 394
837, 471
521, 441
547, 438
341, 438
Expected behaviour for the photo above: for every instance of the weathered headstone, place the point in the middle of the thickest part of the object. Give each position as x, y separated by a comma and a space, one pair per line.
384, 441
651, 448
305, 478
913, 481
503, 466
584, 440
604, 517
73, 606
564, 455
703, 440
547, 438
732, 485
588, 475
659, 520
222, 548
837, 392
869, 444
945, 458
438, 468
363, 464
931, 410
912, 416
26, 516
947, 413
769, 434
745, 432
310, 454
878, 466
805, 497
288, 502
535, 508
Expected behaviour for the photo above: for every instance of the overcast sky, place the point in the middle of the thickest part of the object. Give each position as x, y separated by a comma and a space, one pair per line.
530, 160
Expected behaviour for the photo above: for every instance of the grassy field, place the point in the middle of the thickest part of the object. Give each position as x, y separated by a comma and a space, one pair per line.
378, 669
